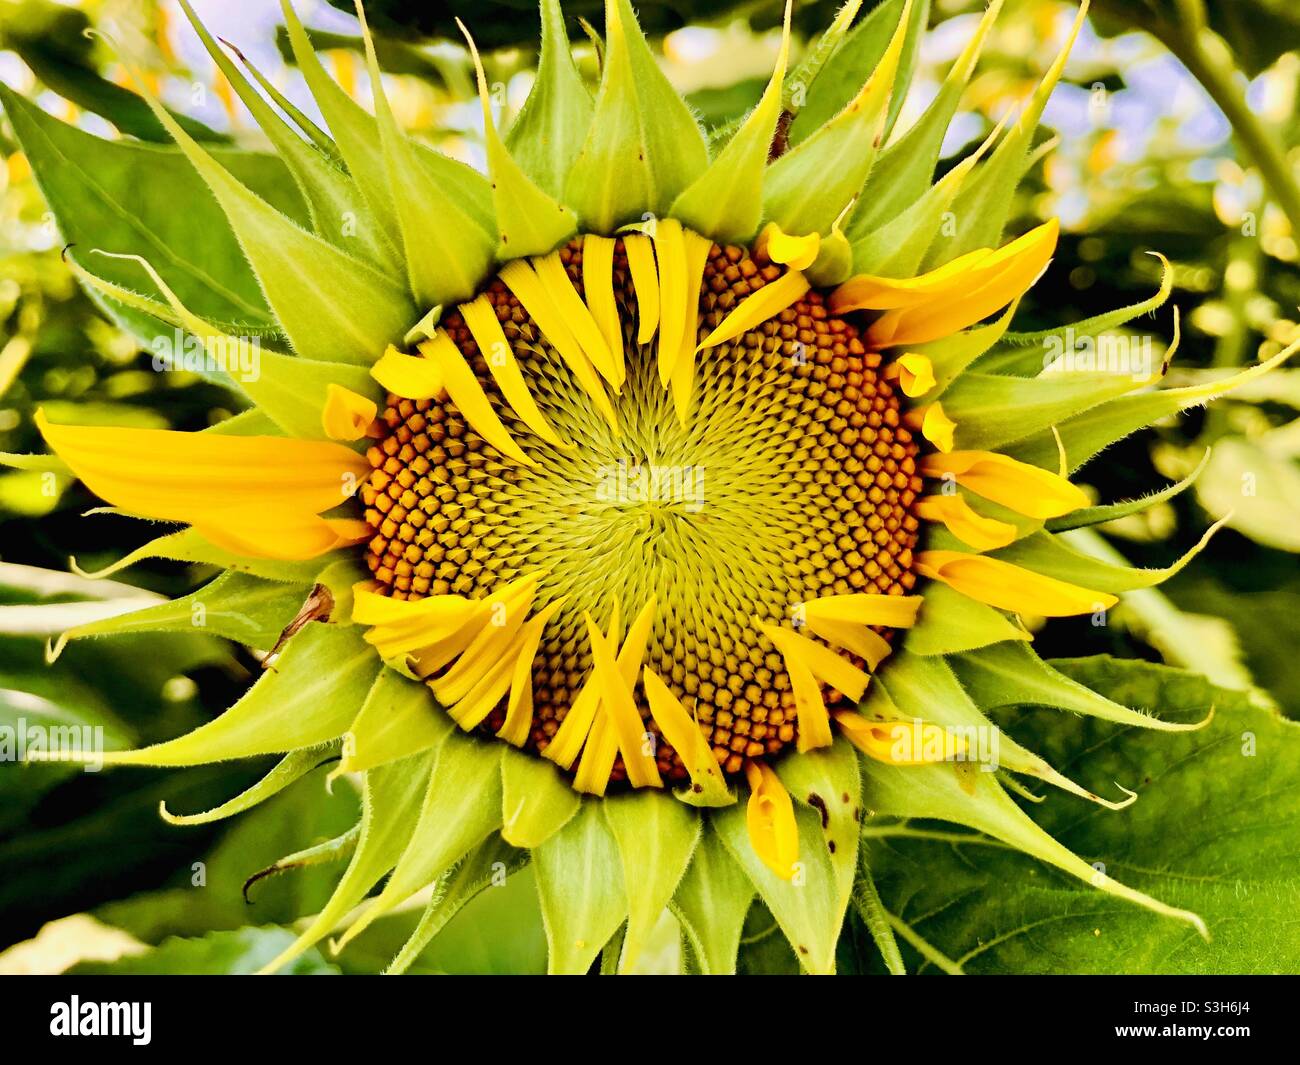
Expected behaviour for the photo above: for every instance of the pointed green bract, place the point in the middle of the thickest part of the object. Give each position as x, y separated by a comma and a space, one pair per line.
965, 796
551, 126
330, 305
189, 546
828, 782
529, 220
852, 62
903, 171
711, 903
462, 806
982, 207
330, 194
644, 146
238, 607
1083, 435
536, 801
1045, 553
726, 201
806, 189
656, 836
398, 718
390, 805
580, 884
447, 254
483, 865
950, 622
292, 767
290, 390
992, 411
1081, 519
807, 908
1010, 674
950, 356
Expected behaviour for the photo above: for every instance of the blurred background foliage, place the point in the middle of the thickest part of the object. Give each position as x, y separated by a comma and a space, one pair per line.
1176, 130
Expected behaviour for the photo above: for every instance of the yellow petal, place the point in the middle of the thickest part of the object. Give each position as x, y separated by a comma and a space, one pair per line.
616, 699
481, 318
251, 532
670, 252
934, 423
900, 742
799, 657
892, 611
798, 253
915, 374
1003, 276
769, 816
520, 277
598, 286
1028, 490
468, 395
867, 292
685, 737
248, 489
564, 297
756, 308
409, 376
682, 380
347, 416
1010, 587
972, 529
598, 754
645, 281
858, 640
519, 710
403, 626
507, 609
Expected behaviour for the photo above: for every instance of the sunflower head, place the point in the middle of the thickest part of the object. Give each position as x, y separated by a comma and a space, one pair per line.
664, 507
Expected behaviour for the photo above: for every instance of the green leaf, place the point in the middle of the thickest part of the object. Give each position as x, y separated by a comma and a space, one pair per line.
536, 800
1204, 835
711, 902
1044, 552
52, 40
644, 146
239, 952
120, 196
551, 126
656, 836
580, 884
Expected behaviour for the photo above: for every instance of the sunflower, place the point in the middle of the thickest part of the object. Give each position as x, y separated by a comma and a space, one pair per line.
661, 510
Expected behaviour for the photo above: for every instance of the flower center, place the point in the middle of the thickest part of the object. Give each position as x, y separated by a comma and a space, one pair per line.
791, 479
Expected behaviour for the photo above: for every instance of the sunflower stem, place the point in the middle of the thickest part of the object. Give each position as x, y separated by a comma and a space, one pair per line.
866, 900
